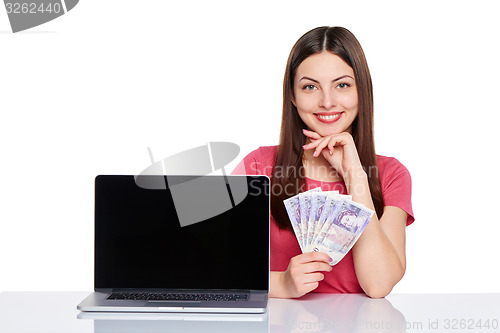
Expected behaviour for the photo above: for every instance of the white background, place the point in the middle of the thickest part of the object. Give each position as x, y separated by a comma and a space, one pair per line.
87, 93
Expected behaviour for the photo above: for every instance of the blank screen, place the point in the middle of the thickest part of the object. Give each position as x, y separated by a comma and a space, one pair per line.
140, 242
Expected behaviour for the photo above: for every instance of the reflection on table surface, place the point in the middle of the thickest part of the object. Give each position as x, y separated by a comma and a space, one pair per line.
173, 322
335, 313
56, 312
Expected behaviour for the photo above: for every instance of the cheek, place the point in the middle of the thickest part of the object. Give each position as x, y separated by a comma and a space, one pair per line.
349, 101
304, 103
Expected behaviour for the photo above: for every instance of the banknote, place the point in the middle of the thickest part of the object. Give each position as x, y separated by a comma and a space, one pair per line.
327, 221
317, 205
317, 202
294, 211
324, 220
308, 212
346, 223
305, 209
292, 207
305, 206
352, 216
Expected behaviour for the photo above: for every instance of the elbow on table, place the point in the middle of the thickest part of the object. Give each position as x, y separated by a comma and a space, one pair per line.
380, 289
377, 292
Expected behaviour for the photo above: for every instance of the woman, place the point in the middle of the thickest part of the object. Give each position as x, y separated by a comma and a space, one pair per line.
326, 140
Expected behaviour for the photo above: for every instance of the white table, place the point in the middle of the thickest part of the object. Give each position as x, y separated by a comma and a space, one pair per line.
56, 312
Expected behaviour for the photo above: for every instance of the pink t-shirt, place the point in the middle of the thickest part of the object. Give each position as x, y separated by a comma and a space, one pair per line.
396, 189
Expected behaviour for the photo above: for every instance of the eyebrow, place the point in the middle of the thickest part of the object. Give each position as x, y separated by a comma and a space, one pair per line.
316, 81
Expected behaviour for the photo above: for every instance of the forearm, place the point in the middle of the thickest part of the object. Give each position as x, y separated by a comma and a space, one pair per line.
377, 262
377, 265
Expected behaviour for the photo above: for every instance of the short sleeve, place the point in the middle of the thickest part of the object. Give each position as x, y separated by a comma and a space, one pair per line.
395, 181
258, 162
246, 166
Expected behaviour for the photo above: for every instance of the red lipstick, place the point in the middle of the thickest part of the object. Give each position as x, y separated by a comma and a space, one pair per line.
328, 117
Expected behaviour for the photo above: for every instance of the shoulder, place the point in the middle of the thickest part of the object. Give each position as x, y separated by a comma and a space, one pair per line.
395, 182
258, 161
264, 153
390, 167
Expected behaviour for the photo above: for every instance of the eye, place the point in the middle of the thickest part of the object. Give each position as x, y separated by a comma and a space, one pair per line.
308, 87
343, 85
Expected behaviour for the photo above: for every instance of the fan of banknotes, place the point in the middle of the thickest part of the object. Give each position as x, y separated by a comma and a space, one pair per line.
326, 221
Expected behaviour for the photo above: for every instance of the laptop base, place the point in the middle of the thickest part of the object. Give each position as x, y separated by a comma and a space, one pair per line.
97, 302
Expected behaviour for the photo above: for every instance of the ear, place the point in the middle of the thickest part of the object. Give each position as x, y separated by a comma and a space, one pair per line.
293, 101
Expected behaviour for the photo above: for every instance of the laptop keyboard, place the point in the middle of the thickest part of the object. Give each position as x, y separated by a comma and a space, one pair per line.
178, 297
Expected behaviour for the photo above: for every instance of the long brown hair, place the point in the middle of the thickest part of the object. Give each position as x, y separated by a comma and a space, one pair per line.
288, 171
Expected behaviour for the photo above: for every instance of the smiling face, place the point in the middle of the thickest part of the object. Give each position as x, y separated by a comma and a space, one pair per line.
325, 94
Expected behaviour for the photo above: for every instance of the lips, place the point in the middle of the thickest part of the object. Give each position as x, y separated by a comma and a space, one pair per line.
328, 117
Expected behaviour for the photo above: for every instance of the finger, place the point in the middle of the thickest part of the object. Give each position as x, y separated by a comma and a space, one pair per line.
321, 256
306, 257
308, 287
314, 277
332, 143
311, 257
313, 144
341, 139
316, 266
321, 146
308, 283
311, 134
309, 142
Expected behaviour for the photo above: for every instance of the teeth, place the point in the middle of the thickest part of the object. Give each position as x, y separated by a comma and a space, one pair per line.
329, 117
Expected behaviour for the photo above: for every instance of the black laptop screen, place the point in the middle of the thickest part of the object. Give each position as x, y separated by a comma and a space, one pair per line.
182, 232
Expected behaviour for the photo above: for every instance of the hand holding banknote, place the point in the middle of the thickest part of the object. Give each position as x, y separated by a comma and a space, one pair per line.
327, 222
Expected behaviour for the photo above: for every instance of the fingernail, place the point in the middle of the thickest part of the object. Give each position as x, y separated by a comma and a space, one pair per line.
303, 130
315, 153
331, 152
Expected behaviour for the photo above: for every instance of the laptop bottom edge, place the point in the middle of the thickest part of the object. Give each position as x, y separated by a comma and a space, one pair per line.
96, 302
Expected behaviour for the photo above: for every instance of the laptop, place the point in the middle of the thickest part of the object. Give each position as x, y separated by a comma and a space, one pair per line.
181, 244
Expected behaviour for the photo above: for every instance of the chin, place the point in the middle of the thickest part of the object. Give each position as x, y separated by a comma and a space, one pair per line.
329, 131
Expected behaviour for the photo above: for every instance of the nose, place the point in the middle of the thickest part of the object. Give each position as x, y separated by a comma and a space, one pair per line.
327, 99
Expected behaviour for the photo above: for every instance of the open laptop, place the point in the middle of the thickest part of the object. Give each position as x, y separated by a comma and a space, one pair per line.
181, 244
